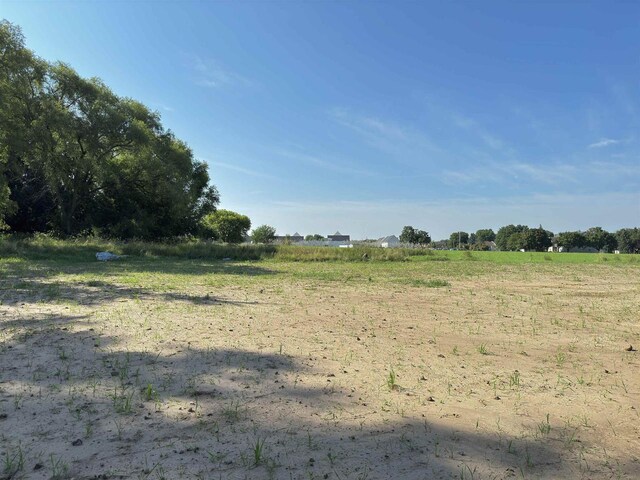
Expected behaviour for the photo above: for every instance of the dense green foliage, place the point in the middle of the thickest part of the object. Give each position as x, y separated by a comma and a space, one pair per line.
315, 236
509, 237
601, 239
263, 234
628, 240
458, 240
226, 226
485, 235
75, 157
536, 239
569, 240
414, 236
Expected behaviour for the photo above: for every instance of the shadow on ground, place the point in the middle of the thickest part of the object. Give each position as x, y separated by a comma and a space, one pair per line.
74, 402
38, 282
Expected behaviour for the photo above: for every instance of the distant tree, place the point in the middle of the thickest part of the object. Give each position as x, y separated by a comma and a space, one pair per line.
570, 240
503, 238
408, 235
536, 239
225, 225
422, 238
458, 240
628, 240
263, 234
315, 236
516, 241
485, 235
413, 236
600, 239
472, 238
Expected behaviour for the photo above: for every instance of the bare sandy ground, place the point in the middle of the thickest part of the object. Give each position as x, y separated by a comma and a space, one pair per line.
518, 372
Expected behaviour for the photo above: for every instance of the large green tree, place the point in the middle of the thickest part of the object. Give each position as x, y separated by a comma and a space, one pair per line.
600, 239
75, 157
510, 237
569, 240
21, 79
536, 239
628, 240
414, 236
485, 235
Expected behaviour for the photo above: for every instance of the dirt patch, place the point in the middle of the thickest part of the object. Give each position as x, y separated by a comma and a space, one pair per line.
514, 372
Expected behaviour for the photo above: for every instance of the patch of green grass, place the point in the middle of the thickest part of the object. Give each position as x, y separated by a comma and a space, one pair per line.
13, 461
391, 380
433, 283
83, 249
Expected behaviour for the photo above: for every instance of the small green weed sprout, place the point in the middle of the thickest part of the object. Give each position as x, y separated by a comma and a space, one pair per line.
391, 380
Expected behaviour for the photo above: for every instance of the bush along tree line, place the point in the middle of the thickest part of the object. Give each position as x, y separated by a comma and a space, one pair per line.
75, 158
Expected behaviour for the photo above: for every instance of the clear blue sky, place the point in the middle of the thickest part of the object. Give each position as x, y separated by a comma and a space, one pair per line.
364, 117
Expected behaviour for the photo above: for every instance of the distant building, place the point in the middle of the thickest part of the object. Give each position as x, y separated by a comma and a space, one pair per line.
338, 237
389, 242
295, 238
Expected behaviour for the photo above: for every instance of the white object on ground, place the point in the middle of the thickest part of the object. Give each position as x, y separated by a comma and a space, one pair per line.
106, 256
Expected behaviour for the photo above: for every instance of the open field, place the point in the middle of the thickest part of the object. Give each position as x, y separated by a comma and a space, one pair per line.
444, 365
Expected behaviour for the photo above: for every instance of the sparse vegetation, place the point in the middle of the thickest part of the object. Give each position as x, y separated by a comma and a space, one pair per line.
230, 360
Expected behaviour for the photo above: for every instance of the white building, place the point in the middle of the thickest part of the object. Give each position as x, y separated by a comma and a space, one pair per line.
389, 242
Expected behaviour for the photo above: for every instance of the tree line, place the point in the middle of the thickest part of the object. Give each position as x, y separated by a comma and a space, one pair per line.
522, 237
75, 158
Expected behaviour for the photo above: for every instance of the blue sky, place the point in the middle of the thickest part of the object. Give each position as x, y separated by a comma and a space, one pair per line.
364, 117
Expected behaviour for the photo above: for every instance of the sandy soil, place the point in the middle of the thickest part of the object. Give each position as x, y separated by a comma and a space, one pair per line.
501, 375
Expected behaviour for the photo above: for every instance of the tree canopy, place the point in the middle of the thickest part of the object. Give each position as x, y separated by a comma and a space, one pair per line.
225, 225
536, 239
458, 240
600, 239
263, 234
569, 240
628, 240
315, 236
414, 236
77, 158
485, 235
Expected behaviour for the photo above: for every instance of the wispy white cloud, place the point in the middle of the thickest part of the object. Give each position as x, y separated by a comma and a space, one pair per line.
212, 74
614, 169
489, 139
326, 163
369, 126
512, 174
605, 142
401, 143
163, 107
240, 169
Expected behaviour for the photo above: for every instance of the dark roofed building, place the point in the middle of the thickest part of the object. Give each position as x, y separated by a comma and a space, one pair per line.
295, 238
338, 237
